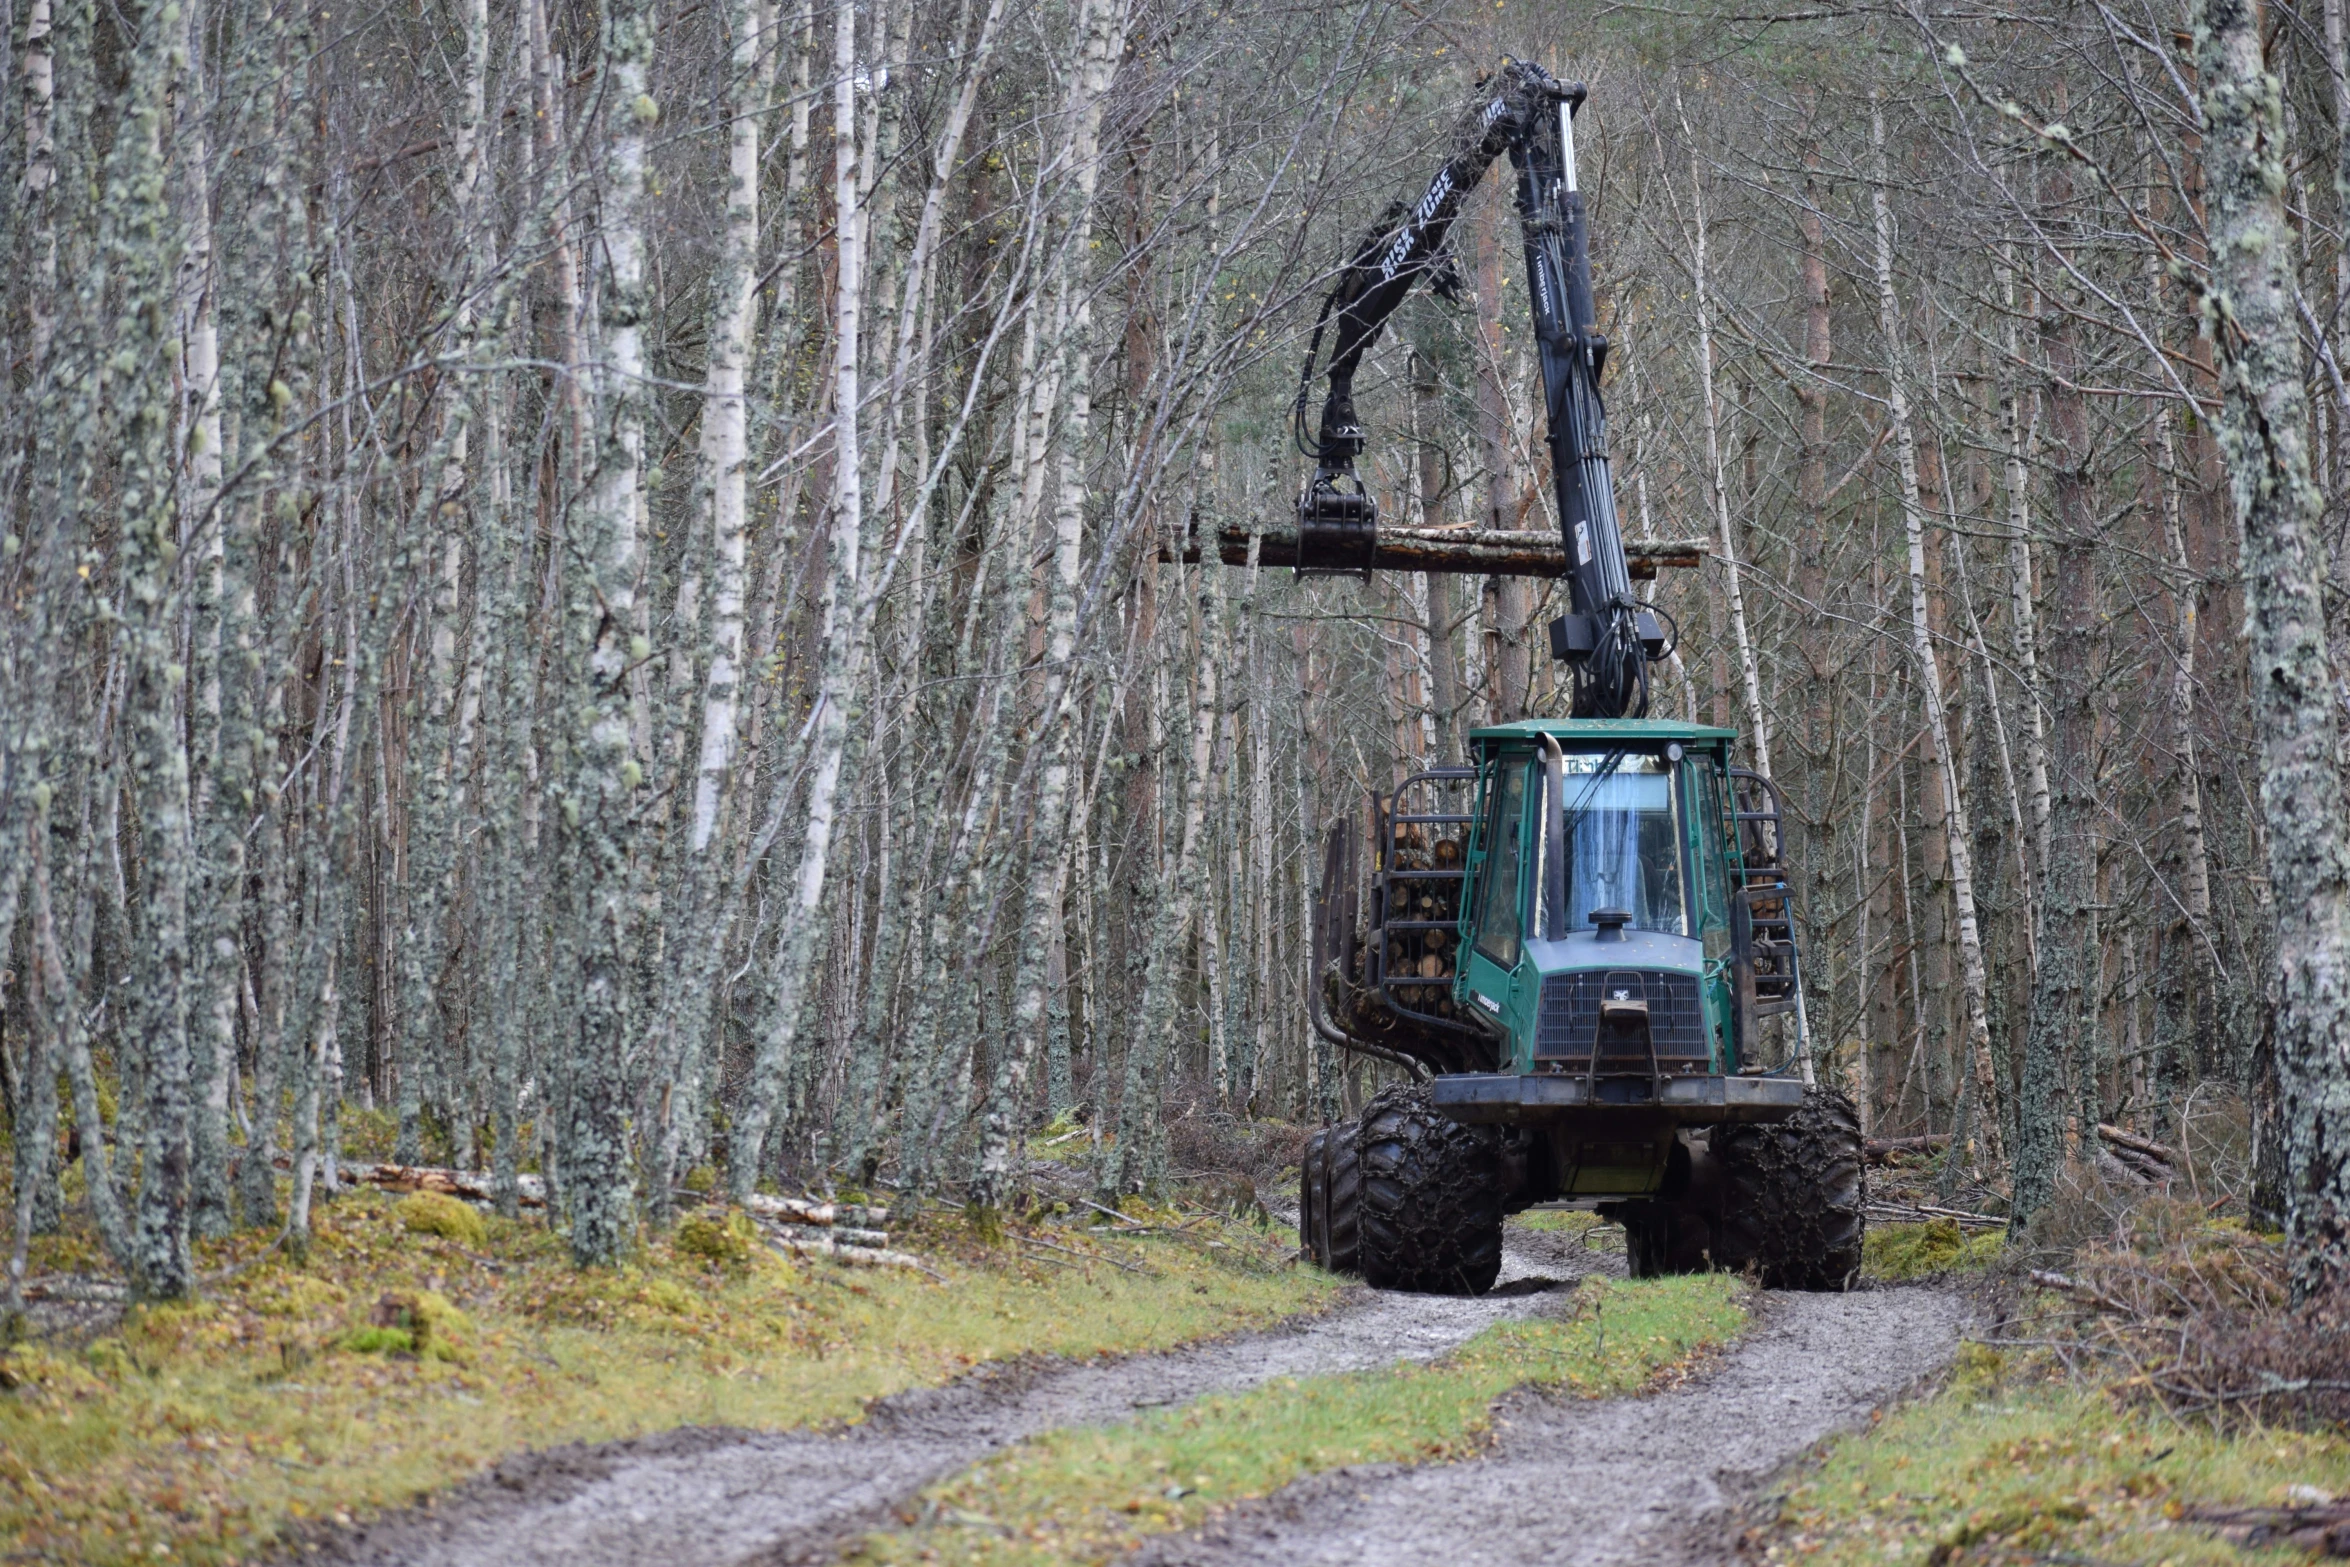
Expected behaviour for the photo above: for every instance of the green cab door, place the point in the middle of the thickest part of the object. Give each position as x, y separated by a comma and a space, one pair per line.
1501, 871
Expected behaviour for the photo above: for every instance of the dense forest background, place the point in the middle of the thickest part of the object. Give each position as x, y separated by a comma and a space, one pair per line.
601, 586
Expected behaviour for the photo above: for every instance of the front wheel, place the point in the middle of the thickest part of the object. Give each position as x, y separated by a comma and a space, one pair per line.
1431, 1197
1793, 1196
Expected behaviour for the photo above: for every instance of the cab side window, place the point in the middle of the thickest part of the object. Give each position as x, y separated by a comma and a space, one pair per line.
1499, 887
1711, 862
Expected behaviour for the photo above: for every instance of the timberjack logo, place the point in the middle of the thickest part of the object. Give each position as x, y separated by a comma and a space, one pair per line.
1401, 251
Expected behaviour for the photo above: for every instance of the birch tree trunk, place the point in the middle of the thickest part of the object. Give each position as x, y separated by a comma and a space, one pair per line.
842, 664
2263, 431
1958, 835
1104, 26
602, 805
1733, 592
139, 255
1130, 1166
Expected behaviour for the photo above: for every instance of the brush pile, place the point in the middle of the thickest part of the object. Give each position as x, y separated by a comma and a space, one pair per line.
2191, 1311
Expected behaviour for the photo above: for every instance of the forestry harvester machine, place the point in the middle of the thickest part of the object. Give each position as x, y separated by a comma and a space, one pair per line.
1573, 944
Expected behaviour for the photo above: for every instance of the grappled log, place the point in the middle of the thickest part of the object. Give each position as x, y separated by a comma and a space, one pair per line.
1481, 552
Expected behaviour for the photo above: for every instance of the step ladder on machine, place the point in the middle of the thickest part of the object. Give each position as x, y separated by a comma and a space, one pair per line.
1759, 820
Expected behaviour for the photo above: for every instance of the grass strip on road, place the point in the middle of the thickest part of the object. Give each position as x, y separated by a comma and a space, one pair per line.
1088, 1494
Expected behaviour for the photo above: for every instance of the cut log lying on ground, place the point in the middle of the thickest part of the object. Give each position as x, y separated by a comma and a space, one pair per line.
1926, 1213
798, 1210
471, 1185
2146, 1161
854, 1256
1884, 1150
2065, 1284
2324, 1528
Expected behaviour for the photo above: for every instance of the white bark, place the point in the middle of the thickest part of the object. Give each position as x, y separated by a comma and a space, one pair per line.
839, 615
1733, 592
725, 452
1959, 839
2021, 599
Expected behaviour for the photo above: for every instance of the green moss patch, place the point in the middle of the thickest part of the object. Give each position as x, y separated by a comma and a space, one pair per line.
1897, 1252
431, 1213
1091, 1494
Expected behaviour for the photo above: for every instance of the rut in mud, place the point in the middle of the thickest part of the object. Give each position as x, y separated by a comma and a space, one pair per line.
718, 1498
1597, 1483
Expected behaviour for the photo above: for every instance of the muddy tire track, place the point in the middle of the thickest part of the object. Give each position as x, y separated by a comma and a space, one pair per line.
714, 1497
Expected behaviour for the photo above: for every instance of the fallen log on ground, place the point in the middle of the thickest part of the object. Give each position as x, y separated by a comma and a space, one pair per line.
2322, 1527
2121, 1139
1926, 1213
854, 1256
471, 1185
2137, 1158
1884, 1150
799, 1210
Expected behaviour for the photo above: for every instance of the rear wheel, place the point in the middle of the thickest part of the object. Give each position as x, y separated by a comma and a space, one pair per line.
1664, 1238
1793, 1195
1342, 1202
1312, 1187
1431, 1197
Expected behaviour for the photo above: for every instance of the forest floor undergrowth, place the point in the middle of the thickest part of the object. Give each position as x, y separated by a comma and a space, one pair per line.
2101, 1411
300, 1396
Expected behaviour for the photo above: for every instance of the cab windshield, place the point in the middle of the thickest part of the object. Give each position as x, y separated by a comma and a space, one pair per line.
1624, 842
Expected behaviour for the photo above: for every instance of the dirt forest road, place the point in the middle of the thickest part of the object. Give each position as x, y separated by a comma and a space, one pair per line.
718, 1498
1593, 1483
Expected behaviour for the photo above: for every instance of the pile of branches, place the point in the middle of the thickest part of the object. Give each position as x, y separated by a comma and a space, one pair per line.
2193, 1313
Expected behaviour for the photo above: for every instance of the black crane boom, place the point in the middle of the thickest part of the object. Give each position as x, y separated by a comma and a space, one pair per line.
1608, 637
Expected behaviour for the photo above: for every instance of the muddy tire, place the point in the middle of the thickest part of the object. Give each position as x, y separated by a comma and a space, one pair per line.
1792, 1196
1663, 1238
1313, 1196
1342, 1203
1431, 1197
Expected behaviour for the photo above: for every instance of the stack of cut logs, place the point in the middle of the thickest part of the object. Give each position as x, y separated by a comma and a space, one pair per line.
845, 1232
2135, 1157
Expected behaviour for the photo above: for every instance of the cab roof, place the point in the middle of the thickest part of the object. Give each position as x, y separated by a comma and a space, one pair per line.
1634, 730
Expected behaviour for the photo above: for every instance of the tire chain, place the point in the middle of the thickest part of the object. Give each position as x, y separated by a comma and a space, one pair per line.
1342, 1210
1313, 1189
1793, 1196
1430, 1197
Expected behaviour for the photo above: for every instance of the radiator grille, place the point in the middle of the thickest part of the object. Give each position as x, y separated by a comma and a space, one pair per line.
1569, 1018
